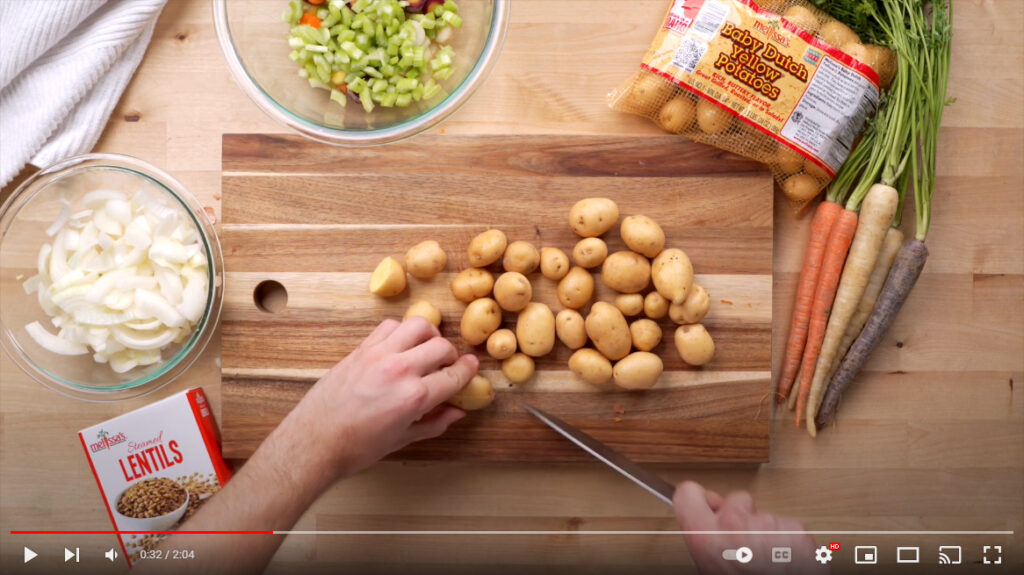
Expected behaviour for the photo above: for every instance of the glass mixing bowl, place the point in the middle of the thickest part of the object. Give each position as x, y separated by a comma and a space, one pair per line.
24, 218
254, 40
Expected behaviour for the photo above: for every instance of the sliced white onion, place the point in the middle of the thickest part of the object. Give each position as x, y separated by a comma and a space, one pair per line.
125, 276
54, 343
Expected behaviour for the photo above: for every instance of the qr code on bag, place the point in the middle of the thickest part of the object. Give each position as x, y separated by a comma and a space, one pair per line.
689, 54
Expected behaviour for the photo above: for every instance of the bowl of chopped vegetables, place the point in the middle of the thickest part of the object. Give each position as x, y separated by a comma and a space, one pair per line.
111, 276
360, 72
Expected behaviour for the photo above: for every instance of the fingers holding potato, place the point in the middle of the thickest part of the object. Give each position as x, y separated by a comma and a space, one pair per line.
478, 393
426, 310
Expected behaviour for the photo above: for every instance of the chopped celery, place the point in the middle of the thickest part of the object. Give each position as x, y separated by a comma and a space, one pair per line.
373, 49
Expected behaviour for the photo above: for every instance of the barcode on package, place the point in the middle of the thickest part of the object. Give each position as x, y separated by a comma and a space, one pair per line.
709, 20
690, 51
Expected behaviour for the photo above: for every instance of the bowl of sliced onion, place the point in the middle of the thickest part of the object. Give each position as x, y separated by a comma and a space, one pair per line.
111, 274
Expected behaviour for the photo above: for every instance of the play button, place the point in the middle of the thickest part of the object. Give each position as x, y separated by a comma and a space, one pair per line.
30, 555
742, 555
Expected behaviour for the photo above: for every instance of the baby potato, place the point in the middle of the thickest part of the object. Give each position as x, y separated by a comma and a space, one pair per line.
693, 309
518, 367
388, 278
520, 257
570, 329
476, 394
630, 304
643, 235
501, 344
638, 370
711, 118
694, 344
786, 160
576, 288
649, 91
677, 115
672, 273
471, 284
479, 321
609, 331
425, 260
535, 330
802, 18
554, 264
626, 272
426, 310
589, 252
655, 305
885, 64
837, 34
486, 248
815, 171
592, 217
512, 291
591, 367
645, 333
801, 187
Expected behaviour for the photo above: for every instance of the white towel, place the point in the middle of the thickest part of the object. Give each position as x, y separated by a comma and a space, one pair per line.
63, 67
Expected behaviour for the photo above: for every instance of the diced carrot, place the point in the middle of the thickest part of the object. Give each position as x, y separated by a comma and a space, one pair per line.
310, 20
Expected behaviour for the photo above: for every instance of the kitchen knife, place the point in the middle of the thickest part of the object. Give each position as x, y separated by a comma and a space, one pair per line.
657, 486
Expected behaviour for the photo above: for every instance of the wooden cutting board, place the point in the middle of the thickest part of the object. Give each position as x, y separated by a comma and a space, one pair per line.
317, 219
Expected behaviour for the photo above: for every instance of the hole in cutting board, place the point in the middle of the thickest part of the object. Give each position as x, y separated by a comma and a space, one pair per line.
270, 296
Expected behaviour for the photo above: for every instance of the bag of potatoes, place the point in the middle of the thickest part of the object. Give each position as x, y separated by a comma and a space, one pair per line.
777, 81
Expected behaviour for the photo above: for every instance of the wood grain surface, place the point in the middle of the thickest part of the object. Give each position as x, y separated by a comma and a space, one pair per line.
317, 220
930, 438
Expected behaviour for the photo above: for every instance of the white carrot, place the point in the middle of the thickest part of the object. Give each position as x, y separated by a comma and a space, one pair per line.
890, 247
876, 215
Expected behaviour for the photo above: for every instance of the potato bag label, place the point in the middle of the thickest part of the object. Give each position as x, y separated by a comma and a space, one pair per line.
770, 74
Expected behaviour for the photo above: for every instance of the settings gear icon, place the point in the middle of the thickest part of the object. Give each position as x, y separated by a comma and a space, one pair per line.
823, 555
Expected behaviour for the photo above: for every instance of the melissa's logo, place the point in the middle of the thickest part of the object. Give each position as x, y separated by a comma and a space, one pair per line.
772, 32
106, 441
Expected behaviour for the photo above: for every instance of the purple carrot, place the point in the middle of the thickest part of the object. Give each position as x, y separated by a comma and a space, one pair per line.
902, 277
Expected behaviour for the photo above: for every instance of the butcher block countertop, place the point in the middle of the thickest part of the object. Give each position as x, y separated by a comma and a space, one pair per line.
932, 438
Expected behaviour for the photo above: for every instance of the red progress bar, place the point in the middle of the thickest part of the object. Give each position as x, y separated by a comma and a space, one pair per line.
142, 532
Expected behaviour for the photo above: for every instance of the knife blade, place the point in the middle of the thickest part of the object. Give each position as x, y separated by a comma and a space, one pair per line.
650, 481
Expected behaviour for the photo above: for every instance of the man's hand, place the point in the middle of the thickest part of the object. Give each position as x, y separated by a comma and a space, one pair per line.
700, 510
388, 393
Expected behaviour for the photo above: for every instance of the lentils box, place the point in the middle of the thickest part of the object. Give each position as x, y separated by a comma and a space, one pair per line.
155, 466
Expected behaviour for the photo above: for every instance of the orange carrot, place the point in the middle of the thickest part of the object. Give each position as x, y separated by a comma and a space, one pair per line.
821, 225
315, 2
839, 240
310, 19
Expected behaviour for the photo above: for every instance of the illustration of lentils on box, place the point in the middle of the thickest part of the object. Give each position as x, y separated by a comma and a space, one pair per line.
155, 466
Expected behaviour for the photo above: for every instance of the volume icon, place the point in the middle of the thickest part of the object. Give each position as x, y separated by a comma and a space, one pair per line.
110, 554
